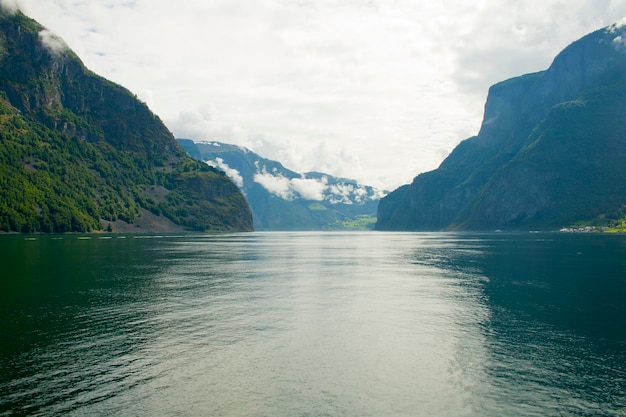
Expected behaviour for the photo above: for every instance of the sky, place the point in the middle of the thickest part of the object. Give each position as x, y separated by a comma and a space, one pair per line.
374, 90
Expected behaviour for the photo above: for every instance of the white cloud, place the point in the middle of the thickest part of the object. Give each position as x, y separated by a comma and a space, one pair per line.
53, 42
360, 194
291, 188
309, 188
275, 184
10, 6
317, 189
377, 91
618, 25
341, 193
619, 42
618, 29
232, 173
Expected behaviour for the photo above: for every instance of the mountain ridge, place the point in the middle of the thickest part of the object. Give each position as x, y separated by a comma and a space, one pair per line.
282, 199
484, 183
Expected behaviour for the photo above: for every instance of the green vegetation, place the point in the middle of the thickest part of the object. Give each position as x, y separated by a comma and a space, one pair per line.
78, 152
617, 226
360, 222
317, 207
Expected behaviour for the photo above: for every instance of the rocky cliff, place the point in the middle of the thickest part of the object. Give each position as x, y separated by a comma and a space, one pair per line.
549, 153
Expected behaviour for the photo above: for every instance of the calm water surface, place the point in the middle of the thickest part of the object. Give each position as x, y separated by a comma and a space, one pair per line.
313, 324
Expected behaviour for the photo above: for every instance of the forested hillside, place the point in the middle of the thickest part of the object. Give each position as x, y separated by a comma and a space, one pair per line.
80, 153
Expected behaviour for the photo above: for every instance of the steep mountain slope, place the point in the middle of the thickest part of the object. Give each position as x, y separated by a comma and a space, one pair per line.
550, 151
282, 199
80, 153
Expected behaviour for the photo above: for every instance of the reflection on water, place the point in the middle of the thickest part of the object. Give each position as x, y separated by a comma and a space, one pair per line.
299, 324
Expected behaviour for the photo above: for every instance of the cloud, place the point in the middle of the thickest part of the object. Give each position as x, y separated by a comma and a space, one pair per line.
619, 42
204, 123
618, 25
275, 184
10, 6
291, 188
317, 189
55, 44
232, 173
618, 29
340, 193
309, 188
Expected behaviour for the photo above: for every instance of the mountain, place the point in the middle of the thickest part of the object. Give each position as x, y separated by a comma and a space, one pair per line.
550, 152
282, 199
79, 153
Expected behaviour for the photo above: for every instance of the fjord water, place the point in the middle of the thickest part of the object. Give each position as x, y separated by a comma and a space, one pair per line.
314, 324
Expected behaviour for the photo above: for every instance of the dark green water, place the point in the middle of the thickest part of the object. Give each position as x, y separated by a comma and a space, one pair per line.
314, 324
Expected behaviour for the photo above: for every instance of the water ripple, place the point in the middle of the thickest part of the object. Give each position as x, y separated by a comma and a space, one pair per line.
303, 324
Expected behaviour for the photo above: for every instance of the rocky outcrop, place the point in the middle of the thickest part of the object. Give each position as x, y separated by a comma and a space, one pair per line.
537, 150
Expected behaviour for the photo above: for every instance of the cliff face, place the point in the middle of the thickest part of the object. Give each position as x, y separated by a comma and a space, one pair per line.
80, 153
536, 160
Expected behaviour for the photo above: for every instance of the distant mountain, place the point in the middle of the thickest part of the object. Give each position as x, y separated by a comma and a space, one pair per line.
282, 199
551, 152
79, 153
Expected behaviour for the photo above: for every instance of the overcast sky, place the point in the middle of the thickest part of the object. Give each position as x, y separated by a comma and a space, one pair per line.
375, 90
